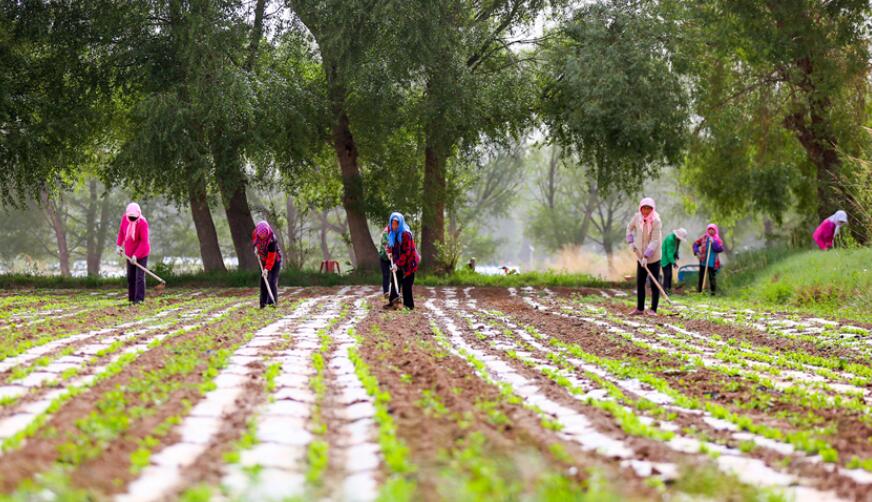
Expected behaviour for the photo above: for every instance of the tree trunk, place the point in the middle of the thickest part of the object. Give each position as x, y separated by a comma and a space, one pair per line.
91, 229
294, 251
54, 217
353, 195
106, 222
241, 223
325, 249
210, 250
433, 214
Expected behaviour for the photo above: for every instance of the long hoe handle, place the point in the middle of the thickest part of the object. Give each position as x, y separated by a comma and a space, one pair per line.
147, 271
394, 273
655, 281
268, 289
707, 257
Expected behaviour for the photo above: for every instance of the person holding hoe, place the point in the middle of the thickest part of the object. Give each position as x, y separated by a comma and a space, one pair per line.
644, 235
671, 244
826, 232
270, 259
707, 248
385, 263
133, 244
404, 259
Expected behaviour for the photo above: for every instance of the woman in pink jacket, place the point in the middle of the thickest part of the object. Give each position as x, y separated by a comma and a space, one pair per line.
133, 243
828, 229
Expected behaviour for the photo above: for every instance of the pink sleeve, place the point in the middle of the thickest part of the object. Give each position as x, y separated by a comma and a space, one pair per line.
120, 240
143, 249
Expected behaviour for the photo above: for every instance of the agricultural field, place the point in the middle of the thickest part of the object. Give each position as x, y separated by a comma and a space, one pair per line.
479, 394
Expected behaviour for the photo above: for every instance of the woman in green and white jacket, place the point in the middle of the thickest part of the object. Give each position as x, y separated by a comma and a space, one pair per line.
669, 257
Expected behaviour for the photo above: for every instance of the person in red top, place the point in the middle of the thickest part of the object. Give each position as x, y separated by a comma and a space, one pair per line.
133, 243
267, 248
401, 247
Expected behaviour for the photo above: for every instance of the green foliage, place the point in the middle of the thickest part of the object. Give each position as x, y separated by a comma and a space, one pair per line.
611, 94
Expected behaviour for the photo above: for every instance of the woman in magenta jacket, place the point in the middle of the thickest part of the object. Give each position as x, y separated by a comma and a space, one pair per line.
133, 243
828, 229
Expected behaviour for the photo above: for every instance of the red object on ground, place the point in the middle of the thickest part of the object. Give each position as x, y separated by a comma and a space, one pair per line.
330, 267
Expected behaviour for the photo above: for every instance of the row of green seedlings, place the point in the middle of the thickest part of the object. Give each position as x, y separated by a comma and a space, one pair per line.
762, 401
473, 474
55, 309
22, 340
158, 387
815, 394
70, 373
801, 440
852, 401
12, 307
642, 405
318, 450
624, 417
400, 484
112, 415
826, 367
23, 371
830, 336
248, 439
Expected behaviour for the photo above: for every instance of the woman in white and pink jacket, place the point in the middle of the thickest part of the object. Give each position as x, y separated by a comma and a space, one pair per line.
644, 235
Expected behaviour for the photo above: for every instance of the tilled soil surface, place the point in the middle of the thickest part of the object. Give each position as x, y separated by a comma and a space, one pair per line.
478, 394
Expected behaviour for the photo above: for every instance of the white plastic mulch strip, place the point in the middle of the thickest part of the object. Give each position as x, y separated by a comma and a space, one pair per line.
749, 470
357, 446
197, 431
16, 423
280, 456
576, 427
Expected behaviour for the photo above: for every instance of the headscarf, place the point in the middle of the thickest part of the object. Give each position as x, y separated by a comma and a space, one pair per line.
839, 218
134, 210
717, 235
681, 233
261, 236
648, 201
396, 236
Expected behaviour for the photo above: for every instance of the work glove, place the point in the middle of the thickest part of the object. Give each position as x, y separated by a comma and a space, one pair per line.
644, 261
119, 250
133, 260
264, 273
394, 267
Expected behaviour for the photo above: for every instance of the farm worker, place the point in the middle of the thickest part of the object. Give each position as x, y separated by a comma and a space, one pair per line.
828, 229
385, 262
644, 235
401, 248
709, 246
670, 256
133, 244
267, 248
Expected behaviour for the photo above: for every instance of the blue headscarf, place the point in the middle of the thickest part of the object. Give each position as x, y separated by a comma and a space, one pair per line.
396, 236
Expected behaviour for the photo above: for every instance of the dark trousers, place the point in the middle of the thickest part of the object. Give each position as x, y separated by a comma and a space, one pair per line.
406, 286
136, 281
667, 278
641, 279
273, 278
712, 279
386, 275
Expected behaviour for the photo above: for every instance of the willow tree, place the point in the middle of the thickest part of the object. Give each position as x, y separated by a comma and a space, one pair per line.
611, 97
780, 89
474, 87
